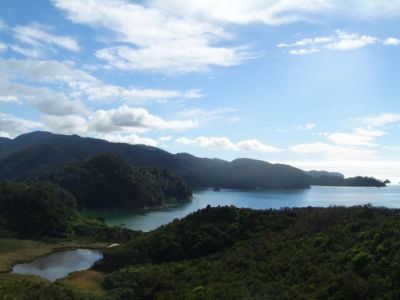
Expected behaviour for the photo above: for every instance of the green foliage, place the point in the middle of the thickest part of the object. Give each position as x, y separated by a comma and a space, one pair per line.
23, 288
106, 182
35, 210
39, 210
308, 253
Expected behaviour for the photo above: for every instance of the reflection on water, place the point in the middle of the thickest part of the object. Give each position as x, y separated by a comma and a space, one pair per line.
316, 196
59, 265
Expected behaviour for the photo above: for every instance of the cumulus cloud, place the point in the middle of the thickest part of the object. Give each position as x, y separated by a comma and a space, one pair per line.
43, 99
358, 144
11, 126
134, 119
391, 41
69, 124
226, 143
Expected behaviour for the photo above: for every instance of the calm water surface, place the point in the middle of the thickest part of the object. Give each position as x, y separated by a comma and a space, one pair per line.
59, 265
316, 196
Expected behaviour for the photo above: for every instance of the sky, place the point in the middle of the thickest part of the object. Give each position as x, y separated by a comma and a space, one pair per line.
311, 83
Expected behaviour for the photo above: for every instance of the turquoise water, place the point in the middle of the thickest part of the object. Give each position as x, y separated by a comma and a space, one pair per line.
59, 265
316, 196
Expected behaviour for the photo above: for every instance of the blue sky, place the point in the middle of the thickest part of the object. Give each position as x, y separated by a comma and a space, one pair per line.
312, 83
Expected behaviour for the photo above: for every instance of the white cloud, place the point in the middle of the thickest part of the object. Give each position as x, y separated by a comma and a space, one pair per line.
11, 126
180, 36
310, 126
376, 8
307, 42
56, 104
69, 124
128, 139
83, 85
8, 99
341, 41
152, 39
98, 91
350, 41
305, 127
165, 138
255, 145
335, 151
361, 137
391, 41
29, 52
304, 51
225, 143
39, 36
278, 12
43, 99
250, 11
381, 120
44, 71
134, 119
3, 47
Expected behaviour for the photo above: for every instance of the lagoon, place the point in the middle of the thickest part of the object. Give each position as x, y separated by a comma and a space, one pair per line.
316, 196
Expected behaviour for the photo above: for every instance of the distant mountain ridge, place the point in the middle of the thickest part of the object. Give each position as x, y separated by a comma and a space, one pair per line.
37, 153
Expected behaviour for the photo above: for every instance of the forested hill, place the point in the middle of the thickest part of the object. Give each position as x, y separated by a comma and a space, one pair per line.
106, 182
37, 153
324, 178
232, 253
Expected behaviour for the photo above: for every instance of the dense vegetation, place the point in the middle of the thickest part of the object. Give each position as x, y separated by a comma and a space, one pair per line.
38, 210
106, 182
230, 253
35, 210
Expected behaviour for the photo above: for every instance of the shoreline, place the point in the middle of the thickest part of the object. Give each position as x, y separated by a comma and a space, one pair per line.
31, 250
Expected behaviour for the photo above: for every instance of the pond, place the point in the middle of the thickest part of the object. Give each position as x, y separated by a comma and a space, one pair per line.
58, 265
